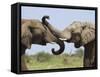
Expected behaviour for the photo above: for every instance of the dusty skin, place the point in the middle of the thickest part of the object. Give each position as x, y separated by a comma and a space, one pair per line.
81, 34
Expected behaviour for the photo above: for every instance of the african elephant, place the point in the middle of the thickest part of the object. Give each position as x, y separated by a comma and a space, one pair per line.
81, 34
35, 32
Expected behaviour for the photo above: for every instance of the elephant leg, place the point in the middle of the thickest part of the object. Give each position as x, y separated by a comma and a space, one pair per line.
93, 60
86, 62
89, 62
23, 63
89, 55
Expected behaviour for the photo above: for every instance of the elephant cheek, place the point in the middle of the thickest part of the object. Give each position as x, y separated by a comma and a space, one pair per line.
29, 46
49, 38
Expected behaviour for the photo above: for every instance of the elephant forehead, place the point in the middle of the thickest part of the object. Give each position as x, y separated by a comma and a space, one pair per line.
37, 24
24, 20
66, 34
76, 27
40, 26
75, 24
33, 24
77, 30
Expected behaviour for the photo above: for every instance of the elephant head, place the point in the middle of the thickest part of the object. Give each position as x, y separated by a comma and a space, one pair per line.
80, 33
35, 32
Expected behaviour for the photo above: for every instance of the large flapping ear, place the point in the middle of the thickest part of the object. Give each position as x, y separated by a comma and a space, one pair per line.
26, 35
87, 35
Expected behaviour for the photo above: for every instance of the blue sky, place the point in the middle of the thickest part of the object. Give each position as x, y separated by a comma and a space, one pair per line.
59, 18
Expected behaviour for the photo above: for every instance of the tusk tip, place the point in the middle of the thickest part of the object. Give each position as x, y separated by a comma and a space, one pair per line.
62, 39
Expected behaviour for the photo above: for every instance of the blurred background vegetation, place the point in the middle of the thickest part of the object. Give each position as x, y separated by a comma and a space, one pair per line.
44, 60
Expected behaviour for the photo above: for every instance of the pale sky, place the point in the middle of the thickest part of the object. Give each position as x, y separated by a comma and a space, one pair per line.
60, 19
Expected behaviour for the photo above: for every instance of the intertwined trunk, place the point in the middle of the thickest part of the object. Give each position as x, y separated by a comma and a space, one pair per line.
56, 33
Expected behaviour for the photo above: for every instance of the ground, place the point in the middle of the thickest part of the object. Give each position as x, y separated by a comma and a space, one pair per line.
48, 61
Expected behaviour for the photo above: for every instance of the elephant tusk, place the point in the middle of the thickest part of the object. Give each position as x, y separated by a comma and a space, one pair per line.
62, 39
52, 42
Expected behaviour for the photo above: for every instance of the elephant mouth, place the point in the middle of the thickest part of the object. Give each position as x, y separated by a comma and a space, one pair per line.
77, 45
43, 42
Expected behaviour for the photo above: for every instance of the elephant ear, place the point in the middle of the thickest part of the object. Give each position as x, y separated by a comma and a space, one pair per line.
88, 34
26, 35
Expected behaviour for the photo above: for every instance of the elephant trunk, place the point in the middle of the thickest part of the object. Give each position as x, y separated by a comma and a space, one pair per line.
62, 47
54, 31
58, 34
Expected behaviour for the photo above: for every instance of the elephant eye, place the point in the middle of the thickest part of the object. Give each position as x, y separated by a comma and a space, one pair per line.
72, 31
76, 36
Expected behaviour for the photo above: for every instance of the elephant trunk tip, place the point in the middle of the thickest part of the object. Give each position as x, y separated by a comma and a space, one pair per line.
45, 17
61, 50
55, 53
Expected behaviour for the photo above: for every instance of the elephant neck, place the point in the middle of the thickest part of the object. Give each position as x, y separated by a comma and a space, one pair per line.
90, 44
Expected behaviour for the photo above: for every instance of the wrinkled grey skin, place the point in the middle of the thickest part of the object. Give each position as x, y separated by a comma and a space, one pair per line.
81, 34
35, 32
62, 46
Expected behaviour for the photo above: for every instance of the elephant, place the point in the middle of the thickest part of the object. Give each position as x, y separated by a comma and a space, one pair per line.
34, 31
81, 34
